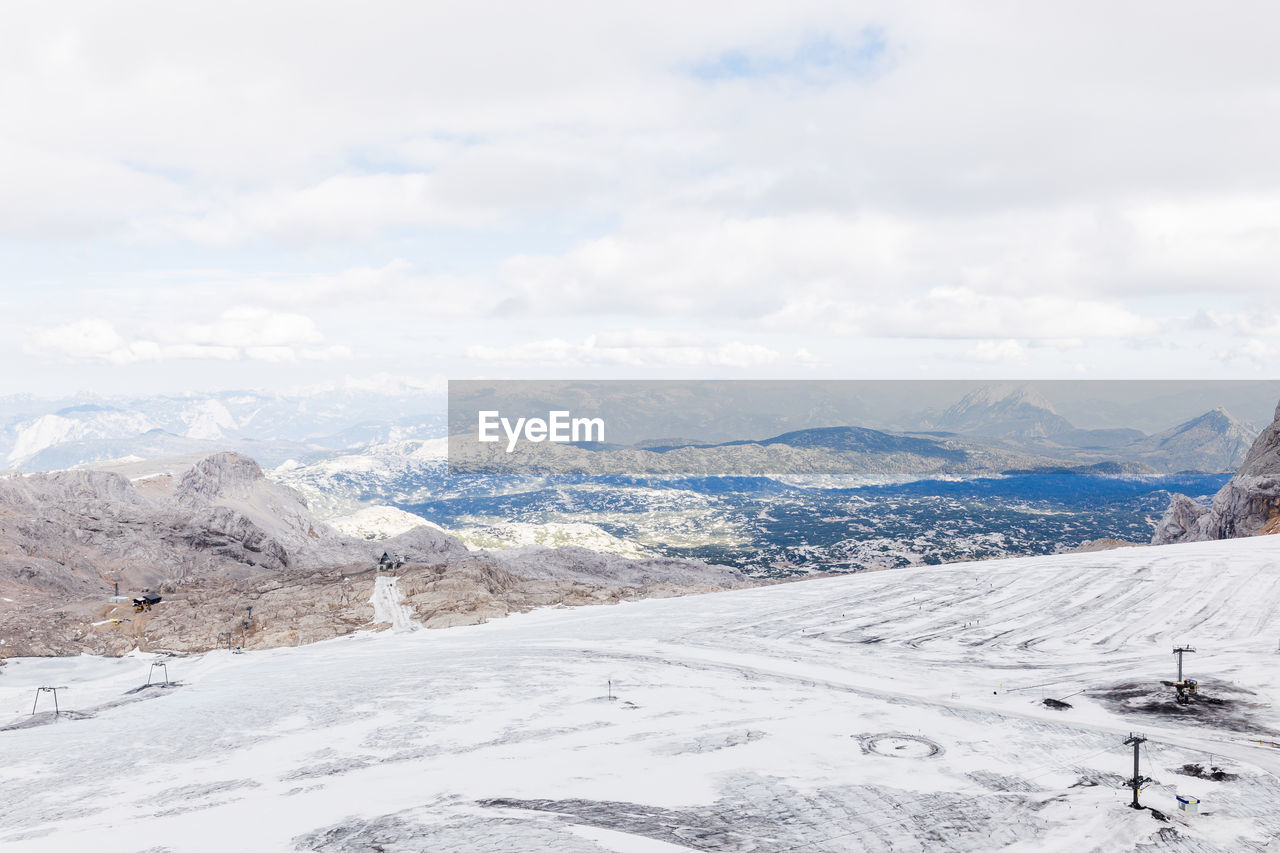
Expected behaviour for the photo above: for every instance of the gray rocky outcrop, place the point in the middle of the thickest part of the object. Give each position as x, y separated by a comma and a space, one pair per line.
295, 607
1249, 504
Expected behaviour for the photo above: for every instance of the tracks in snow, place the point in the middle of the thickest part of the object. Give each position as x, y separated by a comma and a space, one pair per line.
388, 605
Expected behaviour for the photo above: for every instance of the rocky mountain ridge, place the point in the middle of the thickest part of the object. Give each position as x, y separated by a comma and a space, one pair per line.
1214, 441
213, 531
1248, 505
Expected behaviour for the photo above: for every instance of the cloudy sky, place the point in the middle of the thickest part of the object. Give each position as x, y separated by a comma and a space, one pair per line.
199, 196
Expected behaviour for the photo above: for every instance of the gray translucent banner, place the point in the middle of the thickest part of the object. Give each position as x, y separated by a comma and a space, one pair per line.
861, 431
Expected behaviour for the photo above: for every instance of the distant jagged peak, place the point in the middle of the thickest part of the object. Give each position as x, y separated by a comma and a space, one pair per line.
208, 419
74, 423
1009, 392
1218, 415
1004, 410
1218, 421
1004, 394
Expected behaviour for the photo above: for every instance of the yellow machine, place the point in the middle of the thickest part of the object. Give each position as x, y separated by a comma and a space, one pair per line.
145, 602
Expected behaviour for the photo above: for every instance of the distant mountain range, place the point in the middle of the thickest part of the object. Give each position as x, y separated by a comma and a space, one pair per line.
645, 413
986, 428
1016, 431
1215, 441
1004, 411
50, 435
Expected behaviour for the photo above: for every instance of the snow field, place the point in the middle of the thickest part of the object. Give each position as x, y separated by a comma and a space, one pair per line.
801, 716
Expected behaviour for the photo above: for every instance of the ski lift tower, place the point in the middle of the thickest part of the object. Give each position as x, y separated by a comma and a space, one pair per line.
1185, 687
1138, 779
1180, 651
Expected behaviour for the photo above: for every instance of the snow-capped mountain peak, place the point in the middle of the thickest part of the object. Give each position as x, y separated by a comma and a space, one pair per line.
210, 420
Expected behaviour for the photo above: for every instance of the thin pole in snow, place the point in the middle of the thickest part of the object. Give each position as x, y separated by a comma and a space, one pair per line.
1138, 779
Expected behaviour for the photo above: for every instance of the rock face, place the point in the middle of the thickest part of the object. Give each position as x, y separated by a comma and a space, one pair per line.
214, 517
293, 607
1249, 504
1180, 522
214, 537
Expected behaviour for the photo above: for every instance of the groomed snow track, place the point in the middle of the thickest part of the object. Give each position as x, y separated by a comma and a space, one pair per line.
389, 607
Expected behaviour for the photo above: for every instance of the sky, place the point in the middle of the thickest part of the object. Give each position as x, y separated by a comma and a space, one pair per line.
203, 196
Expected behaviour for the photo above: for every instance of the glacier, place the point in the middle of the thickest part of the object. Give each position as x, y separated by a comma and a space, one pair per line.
898, 710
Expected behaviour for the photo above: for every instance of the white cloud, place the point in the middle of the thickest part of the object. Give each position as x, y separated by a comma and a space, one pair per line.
74, 194
332, 125
961, 312
1251, 323
239, 333
872, 276
341, 207
643, 339
421, 167
1251, 355
394, 286
1004, 351
81, 340
626, 350
681, 266
1208, 242
246, 327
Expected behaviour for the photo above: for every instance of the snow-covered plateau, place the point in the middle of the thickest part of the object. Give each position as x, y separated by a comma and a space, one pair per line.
898, 710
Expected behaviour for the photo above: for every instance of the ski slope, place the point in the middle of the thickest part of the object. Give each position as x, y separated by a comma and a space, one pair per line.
389, 607
897, 710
